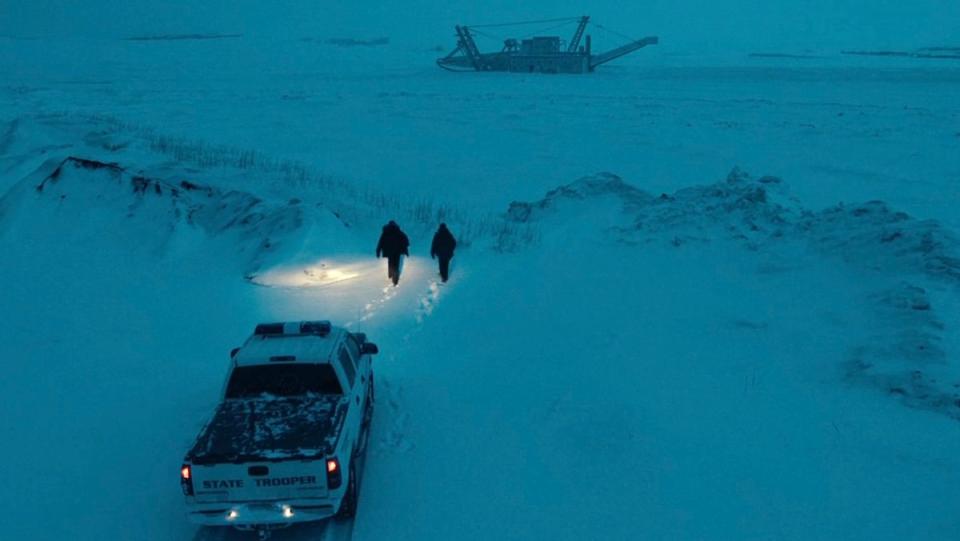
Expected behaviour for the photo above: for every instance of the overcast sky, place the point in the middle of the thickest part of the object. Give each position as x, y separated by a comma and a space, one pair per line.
682, 24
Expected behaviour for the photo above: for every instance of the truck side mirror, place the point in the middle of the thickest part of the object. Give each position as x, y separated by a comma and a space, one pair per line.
369, 348
233, 352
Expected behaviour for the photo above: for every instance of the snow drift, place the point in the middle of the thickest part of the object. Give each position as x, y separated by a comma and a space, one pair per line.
147, 213
903, 256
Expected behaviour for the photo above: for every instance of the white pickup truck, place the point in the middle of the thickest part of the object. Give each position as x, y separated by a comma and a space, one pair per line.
283, 445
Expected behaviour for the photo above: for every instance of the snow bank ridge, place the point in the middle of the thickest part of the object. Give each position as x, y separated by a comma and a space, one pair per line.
599, 185
906, 358
759, 212
258, 226
875, 236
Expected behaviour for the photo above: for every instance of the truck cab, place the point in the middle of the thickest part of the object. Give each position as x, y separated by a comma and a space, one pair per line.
285, 441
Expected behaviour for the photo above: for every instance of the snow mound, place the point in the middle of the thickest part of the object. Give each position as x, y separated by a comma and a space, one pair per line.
759, 212
585, 188
82, 198
904, 260
906, 356
875, 236
742, 207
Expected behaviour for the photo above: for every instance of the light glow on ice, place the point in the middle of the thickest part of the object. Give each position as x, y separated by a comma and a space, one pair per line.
320, 273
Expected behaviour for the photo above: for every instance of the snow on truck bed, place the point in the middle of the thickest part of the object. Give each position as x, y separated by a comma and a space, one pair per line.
270, 429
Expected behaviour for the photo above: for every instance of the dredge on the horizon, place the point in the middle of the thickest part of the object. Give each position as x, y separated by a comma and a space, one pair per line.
536, 54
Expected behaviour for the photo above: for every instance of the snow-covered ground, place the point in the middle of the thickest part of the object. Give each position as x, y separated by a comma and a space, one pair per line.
743, 357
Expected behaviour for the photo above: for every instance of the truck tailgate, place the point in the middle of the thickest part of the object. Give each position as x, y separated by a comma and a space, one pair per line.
262, 481
266, 448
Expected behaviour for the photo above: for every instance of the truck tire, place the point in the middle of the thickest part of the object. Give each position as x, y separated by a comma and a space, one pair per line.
367, 414
368, 409
348, 506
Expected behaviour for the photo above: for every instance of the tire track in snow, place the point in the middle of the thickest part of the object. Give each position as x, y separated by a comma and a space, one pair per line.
395, 439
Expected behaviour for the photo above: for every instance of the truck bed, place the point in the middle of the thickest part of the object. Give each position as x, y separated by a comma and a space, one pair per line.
270, 429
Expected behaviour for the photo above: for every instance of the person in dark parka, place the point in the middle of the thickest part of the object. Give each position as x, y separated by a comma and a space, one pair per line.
393, 244
442, 247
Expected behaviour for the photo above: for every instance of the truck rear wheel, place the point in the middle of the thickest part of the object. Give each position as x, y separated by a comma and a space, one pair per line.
348, 507
368, 413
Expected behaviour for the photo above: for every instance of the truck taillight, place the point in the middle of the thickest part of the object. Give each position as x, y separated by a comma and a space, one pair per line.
333, 473
186, 480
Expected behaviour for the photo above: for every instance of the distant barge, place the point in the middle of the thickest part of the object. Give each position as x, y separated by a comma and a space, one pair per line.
542, 54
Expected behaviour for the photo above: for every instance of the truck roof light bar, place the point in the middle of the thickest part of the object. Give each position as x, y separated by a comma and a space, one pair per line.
267, 329
316, 328
321, 328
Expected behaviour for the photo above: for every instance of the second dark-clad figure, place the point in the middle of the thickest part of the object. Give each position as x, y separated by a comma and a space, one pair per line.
442, 248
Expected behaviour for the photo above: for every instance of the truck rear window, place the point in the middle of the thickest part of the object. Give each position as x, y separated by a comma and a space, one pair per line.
283, 380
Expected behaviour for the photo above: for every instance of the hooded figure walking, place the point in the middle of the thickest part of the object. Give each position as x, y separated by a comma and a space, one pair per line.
442, 247
393, 244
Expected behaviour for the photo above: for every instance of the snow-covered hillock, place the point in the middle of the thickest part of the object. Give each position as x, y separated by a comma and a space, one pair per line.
89, 199
600, 185
875, 236
912, 266
759, 211
739, 208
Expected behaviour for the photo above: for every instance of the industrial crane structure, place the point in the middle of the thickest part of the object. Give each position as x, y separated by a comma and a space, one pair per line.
540, 54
